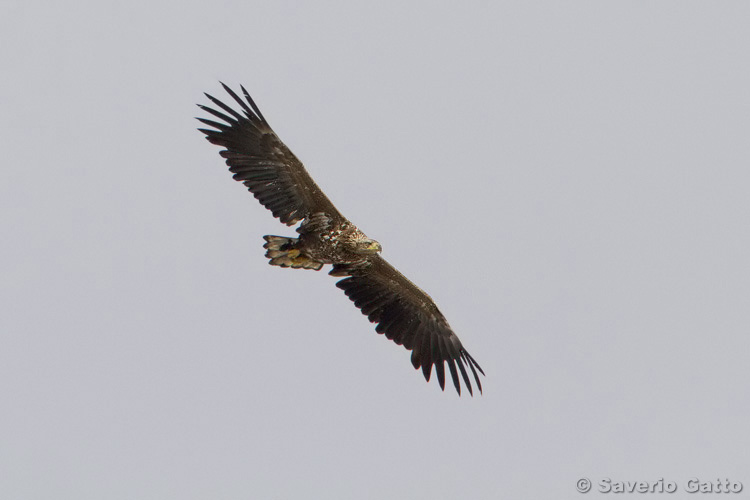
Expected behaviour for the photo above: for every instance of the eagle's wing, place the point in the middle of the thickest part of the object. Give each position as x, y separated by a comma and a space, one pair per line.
267, 167
409, 317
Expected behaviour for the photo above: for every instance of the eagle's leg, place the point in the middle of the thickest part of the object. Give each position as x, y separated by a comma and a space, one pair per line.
284, 252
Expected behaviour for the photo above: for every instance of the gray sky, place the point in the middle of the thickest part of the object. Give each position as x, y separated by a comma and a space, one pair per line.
568, 180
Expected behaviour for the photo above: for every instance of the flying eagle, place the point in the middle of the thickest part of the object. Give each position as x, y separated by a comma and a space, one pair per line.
402, 311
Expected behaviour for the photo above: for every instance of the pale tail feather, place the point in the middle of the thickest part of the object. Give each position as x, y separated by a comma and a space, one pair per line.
282, 252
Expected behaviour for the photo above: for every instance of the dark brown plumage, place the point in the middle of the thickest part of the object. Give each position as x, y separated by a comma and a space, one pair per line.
402, 311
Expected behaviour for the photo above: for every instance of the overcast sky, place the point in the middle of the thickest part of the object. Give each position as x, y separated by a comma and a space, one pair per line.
568, 180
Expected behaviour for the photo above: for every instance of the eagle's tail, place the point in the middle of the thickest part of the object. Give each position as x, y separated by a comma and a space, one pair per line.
284, 252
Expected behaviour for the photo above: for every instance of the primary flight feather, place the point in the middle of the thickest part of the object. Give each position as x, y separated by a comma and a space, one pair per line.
401, 310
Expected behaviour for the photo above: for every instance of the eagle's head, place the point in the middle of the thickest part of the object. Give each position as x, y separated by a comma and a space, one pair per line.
360, 244
368, 247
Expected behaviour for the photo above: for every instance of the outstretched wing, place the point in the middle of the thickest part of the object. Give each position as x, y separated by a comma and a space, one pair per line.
259, 159
409, 317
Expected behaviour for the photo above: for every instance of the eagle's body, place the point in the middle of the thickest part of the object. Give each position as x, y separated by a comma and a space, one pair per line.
402, 311
323, 240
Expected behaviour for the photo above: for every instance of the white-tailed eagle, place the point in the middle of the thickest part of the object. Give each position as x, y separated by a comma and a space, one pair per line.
402, 311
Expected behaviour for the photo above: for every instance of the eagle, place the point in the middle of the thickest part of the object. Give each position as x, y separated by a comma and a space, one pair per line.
402, 311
